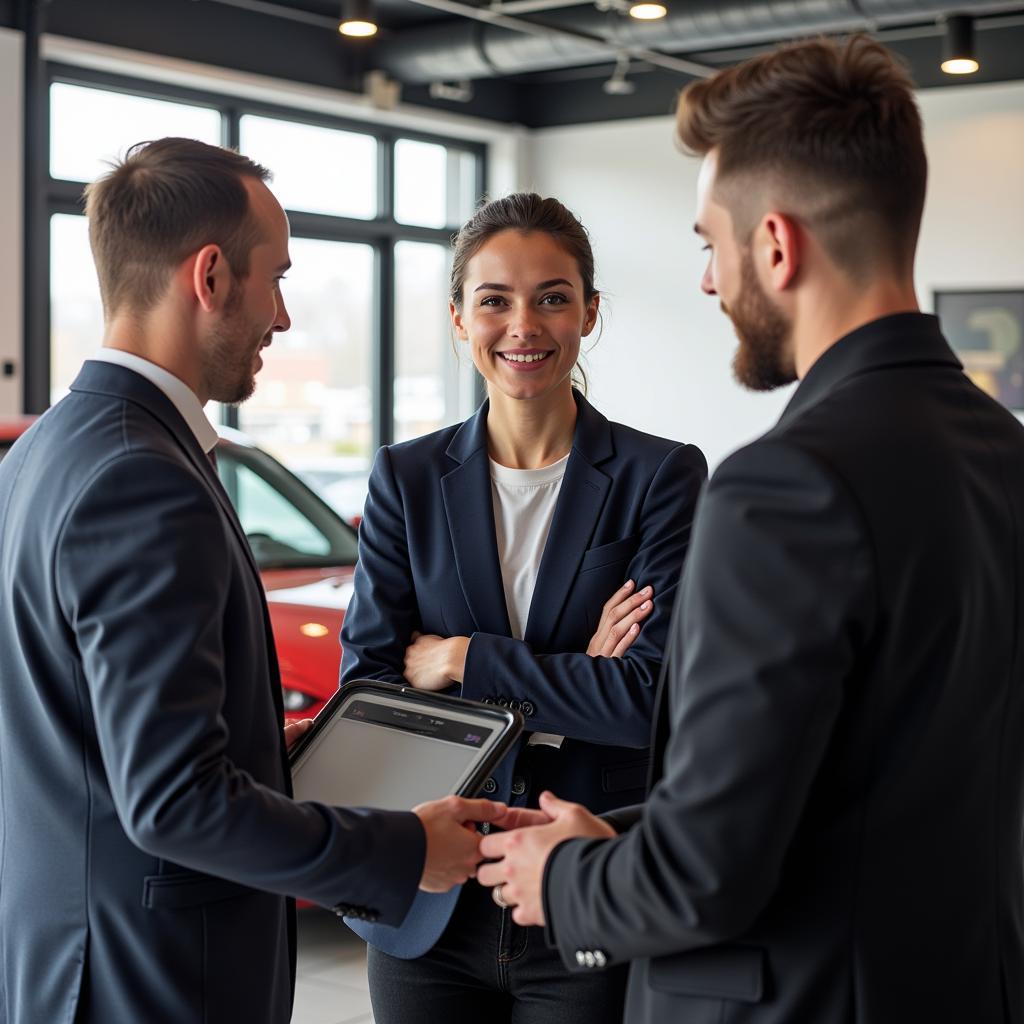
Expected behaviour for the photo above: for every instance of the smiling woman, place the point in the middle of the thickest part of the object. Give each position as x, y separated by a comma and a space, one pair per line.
527, 557
523, 308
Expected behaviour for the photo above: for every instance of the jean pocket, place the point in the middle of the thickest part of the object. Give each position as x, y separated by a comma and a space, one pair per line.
615, 778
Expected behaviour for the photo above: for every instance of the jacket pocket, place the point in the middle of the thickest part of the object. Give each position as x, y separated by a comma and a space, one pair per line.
718, 972
630, 775
185, 889
617, 551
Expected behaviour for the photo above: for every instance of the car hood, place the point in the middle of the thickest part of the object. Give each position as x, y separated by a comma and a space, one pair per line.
307, 607
329, 589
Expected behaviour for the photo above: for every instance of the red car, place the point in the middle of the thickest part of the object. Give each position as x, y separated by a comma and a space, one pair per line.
11, 429
306, 554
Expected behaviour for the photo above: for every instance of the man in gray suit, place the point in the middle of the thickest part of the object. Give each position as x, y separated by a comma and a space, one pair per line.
148, 838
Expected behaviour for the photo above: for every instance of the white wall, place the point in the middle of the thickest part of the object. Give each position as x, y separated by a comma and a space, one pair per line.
11, 203
663, 363
973, 230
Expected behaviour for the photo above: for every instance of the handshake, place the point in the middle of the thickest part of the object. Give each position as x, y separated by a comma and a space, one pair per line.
515, 857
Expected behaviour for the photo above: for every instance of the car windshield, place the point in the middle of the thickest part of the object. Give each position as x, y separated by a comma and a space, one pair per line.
288, 526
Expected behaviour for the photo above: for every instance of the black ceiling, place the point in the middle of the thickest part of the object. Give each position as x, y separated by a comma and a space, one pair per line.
259, 36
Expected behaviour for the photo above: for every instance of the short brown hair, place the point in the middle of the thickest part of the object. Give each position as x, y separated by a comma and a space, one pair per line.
834, 129
165, 200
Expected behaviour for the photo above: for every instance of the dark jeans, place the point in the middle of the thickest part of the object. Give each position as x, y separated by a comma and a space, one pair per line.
486, 969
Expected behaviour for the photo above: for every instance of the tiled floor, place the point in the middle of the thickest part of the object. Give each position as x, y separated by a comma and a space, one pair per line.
331, 983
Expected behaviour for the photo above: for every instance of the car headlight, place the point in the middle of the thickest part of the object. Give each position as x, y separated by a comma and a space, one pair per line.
296, 700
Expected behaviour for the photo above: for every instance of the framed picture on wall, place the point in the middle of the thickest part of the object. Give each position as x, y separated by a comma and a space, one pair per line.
986, 329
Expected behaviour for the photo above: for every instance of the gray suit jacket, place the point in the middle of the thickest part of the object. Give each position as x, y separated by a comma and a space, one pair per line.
834, 833
148, 839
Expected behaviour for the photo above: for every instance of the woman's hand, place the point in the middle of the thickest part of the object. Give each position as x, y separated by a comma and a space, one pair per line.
434, 663
620, 621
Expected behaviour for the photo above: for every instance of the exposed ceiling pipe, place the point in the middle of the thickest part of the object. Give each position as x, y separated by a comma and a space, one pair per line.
532, 6
574, 40
492, 44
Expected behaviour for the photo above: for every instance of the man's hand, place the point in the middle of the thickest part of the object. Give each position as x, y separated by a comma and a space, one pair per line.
620, 621
293, 730
453, 844
519, 856
521, 817
434, 663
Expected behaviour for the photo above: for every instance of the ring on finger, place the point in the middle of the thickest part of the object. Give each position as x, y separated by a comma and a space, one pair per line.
499, 897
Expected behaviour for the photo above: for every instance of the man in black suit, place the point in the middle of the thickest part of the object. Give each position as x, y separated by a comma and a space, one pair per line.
148, 840
834, 829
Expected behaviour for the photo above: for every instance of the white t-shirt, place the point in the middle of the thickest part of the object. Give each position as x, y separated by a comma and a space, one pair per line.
524, 505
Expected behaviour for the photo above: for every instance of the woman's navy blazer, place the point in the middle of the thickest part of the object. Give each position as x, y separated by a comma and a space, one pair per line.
428, 561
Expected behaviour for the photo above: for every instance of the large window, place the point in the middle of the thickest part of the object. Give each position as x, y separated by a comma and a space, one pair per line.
314, 398
319, 170
369, 358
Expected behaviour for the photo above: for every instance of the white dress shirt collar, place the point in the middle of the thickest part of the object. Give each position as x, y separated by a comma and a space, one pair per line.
181, 396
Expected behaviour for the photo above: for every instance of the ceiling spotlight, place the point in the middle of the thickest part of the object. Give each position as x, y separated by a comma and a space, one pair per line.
618, 84
357, 19
645, 11
958, 56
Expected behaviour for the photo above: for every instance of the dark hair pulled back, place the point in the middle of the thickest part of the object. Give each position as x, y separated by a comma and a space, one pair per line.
525, 212
522, 211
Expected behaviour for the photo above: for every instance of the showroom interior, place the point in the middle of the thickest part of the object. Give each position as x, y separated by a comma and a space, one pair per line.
381, 145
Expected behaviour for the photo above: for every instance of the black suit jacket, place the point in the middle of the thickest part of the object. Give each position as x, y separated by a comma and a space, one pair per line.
147, 838
834, 832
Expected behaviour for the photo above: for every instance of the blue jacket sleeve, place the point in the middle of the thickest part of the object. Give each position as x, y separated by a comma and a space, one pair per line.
145, 597
383, 611
604, 700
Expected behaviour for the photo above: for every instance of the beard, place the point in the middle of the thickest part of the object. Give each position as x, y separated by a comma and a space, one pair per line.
231, 352
763, 361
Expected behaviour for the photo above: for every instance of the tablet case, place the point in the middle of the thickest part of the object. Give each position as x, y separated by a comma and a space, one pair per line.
508, 722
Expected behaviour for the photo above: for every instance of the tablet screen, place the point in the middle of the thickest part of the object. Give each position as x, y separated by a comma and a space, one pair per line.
392, 753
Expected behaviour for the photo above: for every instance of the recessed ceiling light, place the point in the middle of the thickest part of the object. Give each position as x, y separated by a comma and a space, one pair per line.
960, 66
648, 11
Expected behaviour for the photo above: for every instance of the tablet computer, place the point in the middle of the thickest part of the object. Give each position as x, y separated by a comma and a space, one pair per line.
392, 747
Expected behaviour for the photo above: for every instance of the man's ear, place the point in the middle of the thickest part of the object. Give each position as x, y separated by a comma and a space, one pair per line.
778, 249
211, 278
460, 331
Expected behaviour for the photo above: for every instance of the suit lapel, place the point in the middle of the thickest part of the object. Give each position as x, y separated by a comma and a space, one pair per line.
119, 382
203, 464
469, 507
580, 501
470, 511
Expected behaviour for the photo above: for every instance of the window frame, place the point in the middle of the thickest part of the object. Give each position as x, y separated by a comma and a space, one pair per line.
382, 232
